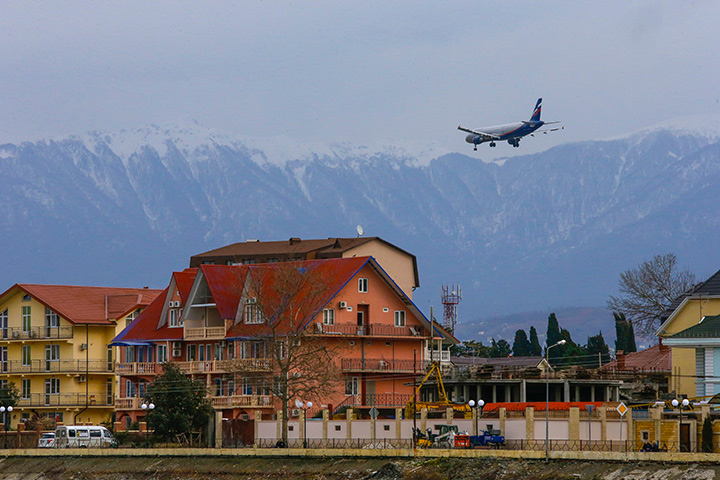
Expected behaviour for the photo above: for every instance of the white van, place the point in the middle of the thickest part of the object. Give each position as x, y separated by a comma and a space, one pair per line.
72, 436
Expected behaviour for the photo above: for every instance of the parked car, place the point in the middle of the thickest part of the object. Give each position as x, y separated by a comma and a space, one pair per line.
87, 436
46, 440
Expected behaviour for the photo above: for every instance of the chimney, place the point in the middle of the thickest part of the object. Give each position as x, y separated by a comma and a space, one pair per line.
294, 240
620, 357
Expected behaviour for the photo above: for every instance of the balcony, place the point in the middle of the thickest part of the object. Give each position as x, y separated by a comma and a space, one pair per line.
55, 366
66, 400
382, 366
138, 368
204, 333
128, 403
35, 333
372, 330
239, 401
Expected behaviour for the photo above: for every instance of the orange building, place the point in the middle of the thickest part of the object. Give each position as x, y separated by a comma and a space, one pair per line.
215, 317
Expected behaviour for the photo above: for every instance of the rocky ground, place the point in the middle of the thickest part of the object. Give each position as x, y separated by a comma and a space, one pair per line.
200, 468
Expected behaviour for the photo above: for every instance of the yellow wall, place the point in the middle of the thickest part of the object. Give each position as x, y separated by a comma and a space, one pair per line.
683, 359
397, 264
69, 370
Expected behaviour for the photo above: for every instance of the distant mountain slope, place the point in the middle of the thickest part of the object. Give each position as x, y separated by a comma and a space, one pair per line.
530, 233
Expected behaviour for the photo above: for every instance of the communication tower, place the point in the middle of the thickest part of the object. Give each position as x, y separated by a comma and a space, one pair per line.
451, 296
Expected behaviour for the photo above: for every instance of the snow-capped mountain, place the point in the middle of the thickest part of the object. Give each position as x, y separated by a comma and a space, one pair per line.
526, 233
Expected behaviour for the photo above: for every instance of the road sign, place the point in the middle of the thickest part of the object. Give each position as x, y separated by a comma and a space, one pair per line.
589, 408
622, 409
374, 413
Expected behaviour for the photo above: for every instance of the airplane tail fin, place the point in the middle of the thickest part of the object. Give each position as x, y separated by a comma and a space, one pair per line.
536, 113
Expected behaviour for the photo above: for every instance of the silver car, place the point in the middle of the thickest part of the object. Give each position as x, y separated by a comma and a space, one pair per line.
46, 440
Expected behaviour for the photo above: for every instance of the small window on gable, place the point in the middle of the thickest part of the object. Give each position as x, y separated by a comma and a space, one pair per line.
252, 312
26, 298
362, 285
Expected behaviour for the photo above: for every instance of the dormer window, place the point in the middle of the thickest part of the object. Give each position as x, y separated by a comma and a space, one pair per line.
362, 285
174, 317
252, 312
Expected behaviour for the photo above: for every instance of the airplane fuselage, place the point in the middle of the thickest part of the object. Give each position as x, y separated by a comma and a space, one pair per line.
510, 131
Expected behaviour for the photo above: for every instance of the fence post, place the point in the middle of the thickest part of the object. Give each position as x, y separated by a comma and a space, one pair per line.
325, 418
279, 417
423, 419
574, 424
602, 413
256, 427
503, 415
398, 424
348, 421
530, 423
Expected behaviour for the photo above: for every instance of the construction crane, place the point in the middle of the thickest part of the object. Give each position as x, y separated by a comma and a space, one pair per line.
443, 402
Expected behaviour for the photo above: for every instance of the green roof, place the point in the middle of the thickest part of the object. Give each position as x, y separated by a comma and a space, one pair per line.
709, 327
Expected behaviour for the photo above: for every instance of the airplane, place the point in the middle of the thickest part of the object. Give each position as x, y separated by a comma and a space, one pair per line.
511, 132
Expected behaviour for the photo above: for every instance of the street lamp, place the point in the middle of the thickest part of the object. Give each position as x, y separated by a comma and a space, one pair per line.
547, 399
304, 407
480, 404
147, 408
681, 405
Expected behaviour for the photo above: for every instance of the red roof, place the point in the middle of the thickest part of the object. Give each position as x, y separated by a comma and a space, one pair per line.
87, 305
657, 358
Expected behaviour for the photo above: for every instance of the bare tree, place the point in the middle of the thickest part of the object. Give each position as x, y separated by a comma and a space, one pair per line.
648, 290
281, 301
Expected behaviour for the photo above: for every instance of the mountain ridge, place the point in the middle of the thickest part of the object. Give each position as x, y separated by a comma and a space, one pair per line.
536, 230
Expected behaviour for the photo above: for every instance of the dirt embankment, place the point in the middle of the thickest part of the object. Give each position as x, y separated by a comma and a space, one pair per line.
197, 468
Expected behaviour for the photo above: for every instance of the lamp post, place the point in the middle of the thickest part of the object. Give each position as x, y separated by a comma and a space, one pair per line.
547, 399
147, 408
304, 407
681, 405
480, 404
3, 409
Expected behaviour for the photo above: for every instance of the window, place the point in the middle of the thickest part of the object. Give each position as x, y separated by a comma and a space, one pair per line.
52, 355
26, 319
252, 314
129, 354
162, 353
110, 359
386, 428
246, 387
4, 323
26, 298
351, 386
51, 319
362, 285
26, 359
129, 319
129, 388
173, 317
399, 318
329, 316
52, 386
191, 352
25, 393
338, 428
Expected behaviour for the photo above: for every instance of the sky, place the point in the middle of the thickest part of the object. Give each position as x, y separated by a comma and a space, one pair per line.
404, 72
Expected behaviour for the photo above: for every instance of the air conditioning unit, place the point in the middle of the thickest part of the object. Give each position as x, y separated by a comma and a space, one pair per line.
177, 352
295, 412
343, 304
171, 304
296, 375
16, 334
82, 379
32, 334
177, 303
83, 347
177, 345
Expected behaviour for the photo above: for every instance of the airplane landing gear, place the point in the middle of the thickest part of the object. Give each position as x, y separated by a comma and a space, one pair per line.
492, 144
475, 148
514, 142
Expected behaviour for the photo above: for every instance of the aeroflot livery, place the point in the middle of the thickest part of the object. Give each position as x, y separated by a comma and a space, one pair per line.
511, 132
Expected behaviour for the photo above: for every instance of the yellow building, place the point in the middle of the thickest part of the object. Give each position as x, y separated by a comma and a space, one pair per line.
54, 348
688, 311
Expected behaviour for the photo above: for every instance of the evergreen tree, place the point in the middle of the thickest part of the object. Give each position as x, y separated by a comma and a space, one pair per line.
625, 334
180, 404
553, 336
521, 345
500, 348
596, 346
535, 348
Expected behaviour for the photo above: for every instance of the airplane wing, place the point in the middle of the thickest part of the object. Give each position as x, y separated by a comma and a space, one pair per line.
478, 132
548, 130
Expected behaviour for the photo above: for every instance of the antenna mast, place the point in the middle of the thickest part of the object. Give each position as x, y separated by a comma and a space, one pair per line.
451, 296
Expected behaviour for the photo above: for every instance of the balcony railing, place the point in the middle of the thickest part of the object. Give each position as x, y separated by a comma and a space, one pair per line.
138, 368
36, 333
204, 333
375, 400
376, 330
232, 401
55, 366
65, 400
435, 355
382, 365
128, 403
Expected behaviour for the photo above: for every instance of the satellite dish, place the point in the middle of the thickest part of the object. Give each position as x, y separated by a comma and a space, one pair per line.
360, 231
